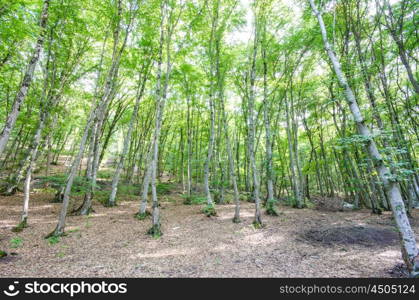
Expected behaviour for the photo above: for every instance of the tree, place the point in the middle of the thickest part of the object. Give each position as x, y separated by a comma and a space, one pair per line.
408, 242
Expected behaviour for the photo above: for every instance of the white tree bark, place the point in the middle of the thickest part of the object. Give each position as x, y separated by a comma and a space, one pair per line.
268, 134
211, 141
26, 82
251, 131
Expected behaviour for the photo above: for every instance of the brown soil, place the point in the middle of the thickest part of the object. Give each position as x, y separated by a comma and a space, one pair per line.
112, 243
367, 236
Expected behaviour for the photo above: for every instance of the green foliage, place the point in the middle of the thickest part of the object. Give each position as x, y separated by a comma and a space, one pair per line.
102, 196
128, 189
155, 231
164, 188
194, 199
16, 242
257, 225
355, 139
271, 207
52, 240
209, 210
105, 174
61, 254
80, 185
142, 216
22, 225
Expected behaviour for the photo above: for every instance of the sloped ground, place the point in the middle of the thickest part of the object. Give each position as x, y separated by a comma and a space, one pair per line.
112, 243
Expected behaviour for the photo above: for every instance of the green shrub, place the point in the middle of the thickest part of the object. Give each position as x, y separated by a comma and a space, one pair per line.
80, 185
102, 196
105, 174
209, 210
155, 231
52, 240
194, 199
16, 242
140, 216
270, 207
128, 189
164, 188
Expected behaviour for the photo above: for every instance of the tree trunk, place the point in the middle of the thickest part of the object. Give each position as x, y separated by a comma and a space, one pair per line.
59, 230
251, 130
115, 180
27, 80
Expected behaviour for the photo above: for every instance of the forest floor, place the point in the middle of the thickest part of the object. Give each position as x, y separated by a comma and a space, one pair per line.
112, 243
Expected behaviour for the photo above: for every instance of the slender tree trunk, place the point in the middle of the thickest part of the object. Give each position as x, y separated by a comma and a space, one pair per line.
34, 152
212, 109
59, 230
189, 148
251, 130
293, 163
267, 122
117, 174
232, 170
400, 46
155, 230
146, 182
27, 80
108, 94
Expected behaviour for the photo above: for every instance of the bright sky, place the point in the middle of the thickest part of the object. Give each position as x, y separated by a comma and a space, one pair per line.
244, 35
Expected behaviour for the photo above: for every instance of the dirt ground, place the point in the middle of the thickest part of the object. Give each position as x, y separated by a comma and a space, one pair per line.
112, 243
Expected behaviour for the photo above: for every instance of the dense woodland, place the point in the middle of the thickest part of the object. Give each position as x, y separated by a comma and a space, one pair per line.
279, 103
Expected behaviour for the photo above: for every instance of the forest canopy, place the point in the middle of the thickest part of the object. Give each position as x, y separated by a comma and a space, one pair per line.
274, 102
